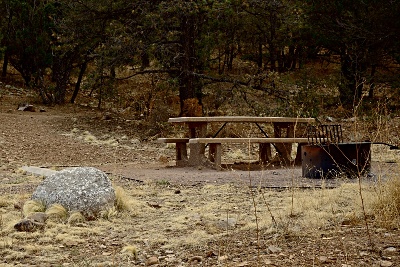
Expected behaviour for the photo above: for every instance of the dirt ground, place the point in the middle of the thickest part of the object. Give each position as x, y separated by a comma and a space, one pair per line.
182, 216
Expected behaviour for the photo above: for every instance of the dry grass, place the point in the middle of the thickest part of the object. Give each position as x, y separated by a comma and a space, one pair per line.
57, 212
189, 220
386, 206
33, 206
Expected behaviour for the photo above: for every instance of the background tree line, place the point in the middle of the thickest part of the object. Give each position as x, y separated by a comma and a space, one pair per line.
195, 43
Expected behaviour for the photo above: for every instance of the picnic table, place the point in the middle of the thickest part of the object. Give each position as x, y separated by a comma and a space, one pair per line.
284, 135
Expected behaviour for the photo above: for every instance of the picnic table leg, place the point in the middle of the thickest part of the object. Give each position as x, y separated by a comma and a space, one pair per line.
297, 161
215, 154
197, 151
285, 150
181, 154
265, 153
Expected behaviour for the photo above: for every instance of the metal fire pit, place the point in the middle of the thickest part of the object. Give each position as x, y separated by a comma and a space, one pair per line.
331, 160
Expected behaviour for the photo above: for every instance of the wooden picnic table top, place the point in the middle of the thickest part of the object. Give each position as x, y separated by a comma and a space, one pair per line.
241, 119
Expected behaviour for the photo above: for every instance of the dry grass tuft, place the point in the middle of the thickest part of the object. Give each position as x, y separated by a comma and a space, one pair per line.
57, 213
33, 206
121, 200
109, 213
130, 250
387, 204
76, 218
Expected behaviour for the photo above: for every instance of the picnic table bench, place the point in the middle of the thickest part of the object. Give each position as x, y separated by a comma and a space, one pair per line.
284, 137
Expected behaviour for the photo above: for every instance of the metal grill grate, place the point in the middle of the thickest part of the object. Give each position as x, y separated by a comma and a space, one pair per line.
325, 133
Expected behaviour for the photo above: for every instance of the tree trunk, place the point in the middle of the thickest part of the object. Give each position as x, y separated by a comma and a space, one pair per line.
187, 81
61, 74
78, 82
5, 64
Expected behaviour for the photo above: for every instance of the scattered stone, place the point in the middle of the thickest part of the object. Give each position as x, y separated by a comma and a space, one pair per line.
330, 119
38, 171
323, 259
386, 263
33, 222
267, 262
39, 217
364, 253
19, 205
84, 189
197, 259
154, 204
226, 223
28, 226
274, 249
107, 116
222, 258
26, 107
211, 254
152, 260
243, 264
390, 250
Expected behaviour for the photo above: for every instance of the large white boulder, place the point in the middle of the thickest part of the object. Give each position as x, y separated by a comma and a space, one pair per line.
83, 189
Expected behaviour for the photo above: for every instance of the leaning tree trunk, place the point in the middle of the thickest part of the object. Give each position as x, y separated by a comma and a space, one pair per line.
79, 81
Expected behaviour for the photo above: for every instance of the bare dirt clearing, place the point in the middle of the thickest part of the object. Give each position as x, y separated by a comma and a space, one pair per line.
180, 216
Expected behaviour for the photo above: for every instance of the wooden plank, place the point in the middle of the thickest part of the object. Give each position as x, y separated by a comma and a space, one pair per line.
173, 140
249, 140
239, 119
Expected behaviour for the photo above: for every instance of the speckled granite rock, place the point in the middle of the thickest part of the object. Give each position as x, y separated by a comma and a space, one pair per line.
83, 189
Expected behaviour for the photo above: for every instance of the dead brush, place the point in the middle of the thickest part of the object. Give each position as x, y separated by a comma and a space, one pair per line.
57, 213
76, 218
33, 206
121, 200
386, 207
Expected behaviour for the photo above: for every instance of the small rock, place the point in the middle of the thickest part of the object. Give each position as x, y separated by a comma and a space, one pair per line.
39, 217
26, 107
386, 263
390, 249
330, 119
152, 260
27, 225
274, 249
364, 253
222, 258
226, 223
196, 259
267, 262
18, 205
154, 204
211, 254
323, 259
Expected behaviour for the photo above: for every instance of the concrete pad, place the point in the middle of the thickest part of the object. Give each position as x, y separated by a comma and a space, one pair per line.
38, 171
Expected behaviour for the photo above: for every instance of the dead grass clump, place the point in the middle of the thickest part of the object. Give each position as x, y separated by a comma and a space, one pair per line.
387, 204
57, 213
109, 213
121, 199
130, 250
33, 206
76, 218
4, 203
